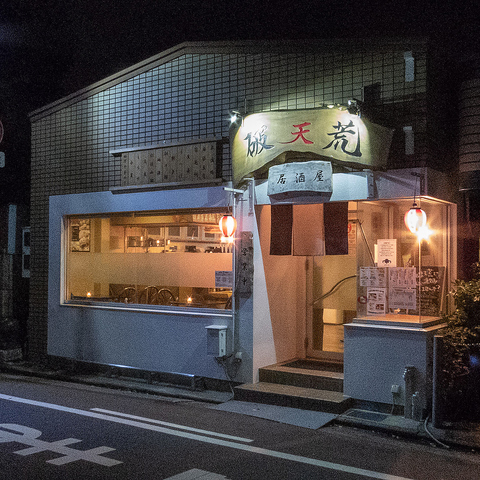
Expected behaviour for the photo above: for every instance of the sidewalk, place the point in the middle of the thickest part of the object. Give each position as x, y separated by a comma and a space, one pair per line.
456, 435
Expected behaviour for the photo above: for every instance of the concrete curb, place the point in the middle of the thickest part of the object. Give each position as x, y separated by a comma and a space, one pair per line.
465, 436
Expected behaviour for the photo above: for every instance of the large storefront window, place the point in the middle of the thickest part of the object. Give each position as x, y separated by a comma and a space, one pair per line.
403, 276
174, 259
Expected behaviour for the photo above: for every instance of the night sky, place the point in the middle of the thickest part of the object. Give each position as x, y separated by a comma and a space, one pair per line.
51, 48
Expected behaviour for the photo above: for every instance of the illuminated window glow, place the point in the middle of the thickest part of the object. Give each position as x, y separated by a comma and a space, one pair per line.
156, 259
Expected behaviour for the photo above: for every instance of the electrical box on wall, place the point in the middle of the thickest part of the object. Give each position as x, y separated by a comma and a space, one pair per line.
217, 340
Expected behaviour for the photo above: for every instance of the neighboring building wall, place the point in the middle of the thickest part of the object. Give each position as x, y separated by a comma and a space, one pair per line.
13, 286
186, 93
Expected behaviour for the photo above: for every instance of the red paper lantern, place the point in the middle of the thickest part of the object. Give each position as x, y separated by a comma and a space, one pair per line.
415, 219
228, 225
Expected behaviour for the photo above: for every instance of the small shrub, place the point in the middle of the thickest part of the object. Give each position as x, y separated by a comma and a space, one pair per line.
461, 346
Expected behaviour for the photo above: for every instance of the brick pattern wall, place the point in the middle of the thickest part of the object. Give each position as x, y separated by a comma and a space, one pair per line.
188, 98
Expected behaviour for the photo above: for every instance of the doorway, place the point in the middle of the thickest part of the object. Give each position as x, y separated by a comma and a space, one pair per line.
311, 292
331, 302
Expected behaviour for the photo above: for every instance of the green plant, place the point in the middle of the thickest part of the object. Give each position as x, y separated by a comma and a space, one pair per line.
461, 343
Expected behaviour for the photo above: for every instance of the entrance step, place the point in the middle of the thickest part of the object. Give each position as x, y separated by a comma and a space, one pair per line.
320, 375
300, 383
293, 396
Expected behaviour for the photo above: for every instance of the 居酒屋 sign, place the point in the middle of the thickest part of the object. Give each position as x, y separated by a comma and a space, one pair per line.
300, 177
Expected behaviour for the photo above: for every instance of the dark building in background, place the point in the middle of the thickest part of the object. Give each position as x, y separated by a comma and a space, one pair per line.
14, 280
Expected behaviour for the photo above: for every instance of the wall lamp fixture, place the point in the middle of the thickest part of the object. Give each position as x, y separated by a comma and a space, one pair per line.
235, 117
354, 107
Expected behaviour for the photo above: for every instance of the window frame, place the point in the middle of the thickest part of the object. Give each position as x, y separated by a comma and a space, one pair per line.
212, 295
198, 199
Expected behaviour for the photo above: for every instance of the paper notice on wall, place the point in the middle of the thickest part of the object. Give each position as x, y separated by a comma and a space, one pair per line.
376, 301
402, 298
223, 279
402, 277
373, 277
387, 252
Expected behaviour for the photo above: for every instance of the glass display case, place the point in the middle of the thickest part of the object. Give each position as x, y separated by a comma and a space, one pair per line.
403, 276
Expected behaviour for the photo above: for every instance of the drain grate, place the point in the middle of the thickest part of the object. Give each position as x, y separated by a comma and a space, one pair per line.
365, 415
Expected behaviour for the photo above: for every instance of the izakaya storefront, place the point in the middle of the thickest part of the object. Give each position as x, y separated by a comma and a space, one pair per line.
339, 274
322, 264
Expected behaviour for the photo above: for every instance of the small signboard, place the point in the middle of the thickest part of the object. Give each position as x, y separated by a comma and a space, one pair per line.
387, 252
306, 177
245, 265
223, 279
432, 290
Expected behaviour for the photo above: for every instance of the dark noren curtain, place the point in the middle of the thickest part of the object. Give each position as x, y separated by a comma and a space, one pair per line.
335, 220
336, 228
281, 230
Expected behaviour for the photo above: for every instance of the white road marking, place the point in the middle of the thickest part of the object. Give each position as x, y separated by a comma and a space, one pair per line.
197, 474
11, 432
173, 425
213, 441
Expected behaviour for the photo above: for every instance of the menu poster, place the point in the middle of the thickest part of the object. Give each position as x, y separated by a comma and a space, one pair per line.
402, 277
373, 277
402, 298
387, 252
80, 235
376, 301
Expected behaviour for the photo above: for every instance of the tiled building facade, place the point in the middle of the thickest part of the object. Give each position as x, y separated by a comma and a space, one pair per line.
185, 94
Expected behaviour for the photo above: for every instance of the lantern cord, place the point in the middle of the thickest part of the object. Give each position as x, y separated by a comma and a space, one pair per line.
415, 192
417, 176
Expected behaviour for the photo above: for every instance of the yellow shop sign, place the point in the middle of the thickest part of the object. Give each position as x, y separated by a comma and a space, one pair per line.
262, 138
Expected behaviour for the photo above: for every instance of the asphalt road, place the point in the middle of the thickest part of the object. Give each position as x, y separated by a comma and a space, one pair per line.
54, 430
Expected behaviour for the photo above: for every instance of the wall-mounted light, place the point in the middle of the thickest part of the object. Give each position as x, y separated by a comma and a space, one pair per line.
235, 117
353, 107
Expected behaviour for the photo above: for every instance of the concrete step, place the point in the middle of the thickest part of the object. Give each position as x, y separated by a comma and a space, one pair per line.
293, 396
315, 364
321, 379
